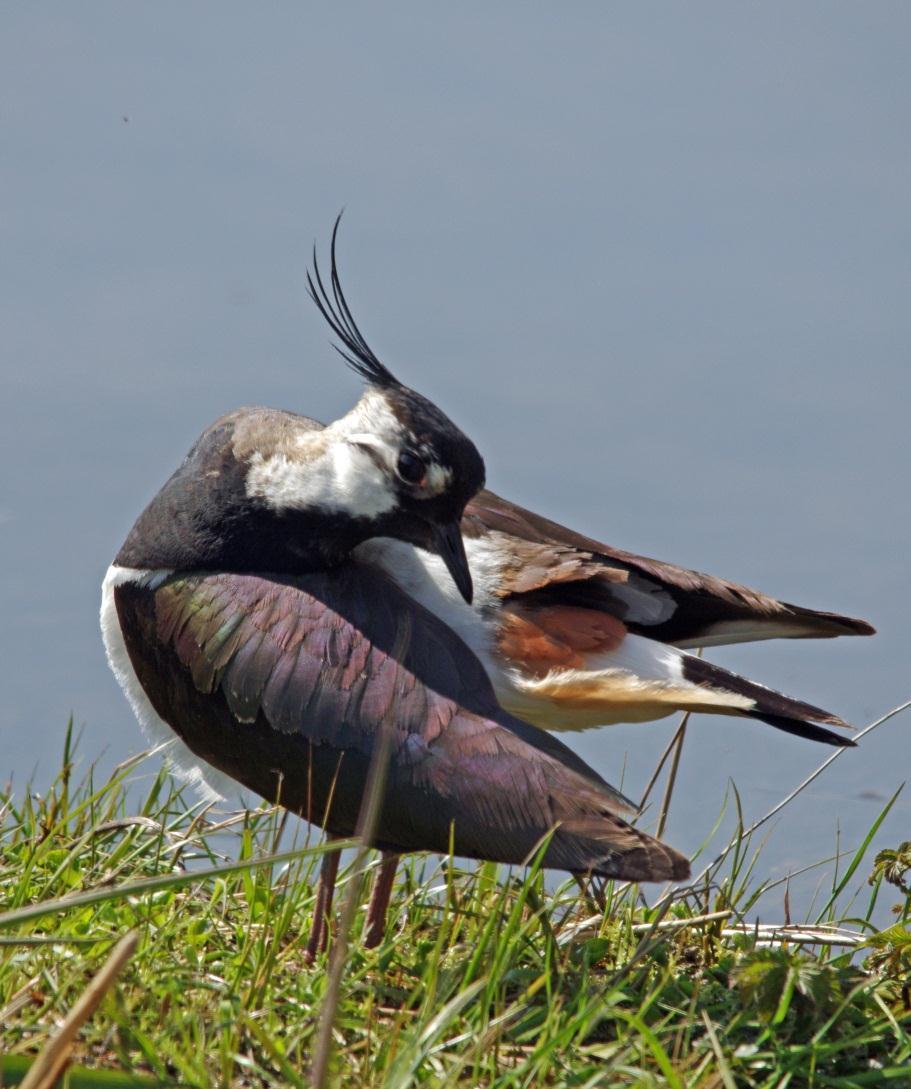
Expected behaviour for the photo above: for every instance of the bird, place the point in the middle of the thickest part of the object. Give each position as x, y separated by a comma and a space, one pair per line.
245, 631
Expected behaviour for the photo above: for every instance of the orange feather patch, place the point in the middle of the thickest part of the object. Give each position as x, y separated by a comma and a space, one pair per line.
555, 637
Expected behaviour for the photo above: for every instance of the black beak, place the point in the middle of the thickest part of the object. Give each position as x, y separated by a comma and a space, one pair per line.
447, 542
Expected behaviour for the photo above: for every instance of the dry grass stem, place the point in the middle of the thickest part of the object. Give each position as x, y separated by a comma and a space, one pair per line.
55, 1055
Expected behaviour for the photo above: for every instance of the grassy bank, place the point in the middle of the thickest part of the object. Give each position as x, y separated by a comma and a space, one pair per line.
486, 978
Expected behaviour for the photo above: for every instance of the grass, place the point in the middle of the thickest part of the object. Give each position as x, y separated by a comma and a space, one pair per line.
487, 977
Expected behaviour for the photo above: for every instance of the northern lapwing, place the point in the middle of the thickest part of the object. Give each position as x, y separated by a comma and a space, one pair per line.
244, 628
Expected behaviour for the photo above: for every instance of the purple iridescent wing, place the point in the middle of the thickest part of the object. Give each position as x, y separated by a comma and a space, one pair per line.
286, 685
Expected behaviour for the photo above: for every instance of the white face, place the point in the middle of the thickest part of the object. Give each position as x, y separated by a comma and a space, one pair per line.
360, 465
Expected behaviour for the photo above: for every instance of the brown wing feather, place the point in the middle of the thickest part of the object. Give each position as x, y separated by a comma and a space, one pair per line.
666, 602
286, 684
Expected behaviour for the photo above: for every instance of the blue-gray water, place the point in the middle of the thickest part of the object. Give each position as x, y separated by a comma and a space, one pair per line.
654, 259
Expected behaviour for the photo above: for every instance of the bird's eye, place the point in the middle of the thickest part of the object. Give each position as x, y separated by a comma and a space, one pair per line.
411, 468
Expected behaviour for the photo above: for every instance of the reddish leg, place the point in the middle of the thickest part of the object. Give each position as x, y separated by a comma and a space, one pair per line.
379, 900
319, 933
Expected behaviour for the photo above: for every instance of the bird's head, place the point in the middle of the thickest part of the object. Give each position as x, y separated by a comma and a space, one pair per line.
268, 490
394, 466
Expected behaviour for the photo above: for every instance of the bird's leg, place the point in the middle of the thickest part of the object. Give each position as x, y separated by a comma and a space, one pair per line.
319, 933
379, 900
592, 890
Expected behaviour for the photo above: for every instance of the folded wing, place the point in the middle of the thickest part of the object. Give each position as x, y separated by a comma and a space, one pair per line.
258, 674
664, 602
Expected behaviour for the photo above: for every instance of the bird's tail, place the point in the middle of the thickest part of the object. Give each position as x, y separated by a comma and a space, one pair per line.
782, 712
641, 679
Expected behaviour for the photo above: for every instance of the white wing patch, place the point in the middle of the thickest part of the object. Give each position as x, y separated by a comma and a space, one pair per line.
648, 603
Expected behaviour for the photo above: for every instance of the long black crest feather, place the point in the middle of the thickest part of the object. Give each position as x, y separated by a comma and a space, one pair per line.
357, 353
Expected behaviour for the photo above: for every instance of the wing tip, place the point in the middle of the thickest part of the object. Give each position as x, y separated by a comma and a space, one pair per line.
676, 866
829, 625
661, 863
810, 730
850, 625
607, 846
